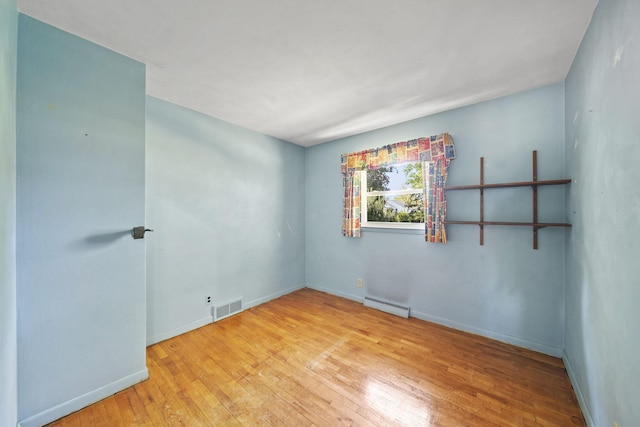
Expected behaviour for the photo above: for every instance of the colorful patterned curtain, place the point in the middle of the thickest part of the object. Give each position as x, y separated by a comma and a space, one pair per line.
434, 152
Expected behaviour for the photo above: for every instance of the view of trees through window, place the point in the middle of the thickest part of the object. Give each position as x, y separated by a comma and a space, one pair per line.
398, 194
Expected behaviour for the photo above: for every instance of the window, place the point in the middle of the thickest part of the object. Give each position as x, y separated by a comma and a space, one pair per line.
434, 152
392, 197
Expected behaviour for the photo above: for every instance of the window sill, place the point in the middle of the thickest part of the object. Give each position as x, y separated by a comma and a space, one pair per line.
395, 230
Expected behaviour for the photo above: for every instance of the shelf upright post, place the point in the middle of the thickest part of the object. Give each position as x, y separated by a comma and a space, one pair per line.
481, 202
535, 198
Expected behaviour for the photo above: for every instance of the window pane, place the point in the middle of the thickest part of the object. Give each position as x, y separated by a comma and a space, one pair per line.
404, 208
397, 177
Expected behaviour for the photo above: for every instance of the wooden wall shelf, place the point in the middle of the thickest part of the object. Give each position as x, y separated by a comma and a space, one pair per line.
509, 184
534, 184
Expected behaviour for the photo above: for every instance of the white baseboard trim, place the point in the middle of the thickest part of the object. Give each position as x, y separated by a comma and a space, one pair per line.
209, 319
352, 297
541, 348
84, 400
179, 331
258, 301
576, 388
518, 342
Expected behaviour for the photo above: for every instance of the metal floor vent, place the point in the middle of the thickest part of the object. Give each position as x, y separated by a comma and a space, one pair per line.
387, 307
226, 310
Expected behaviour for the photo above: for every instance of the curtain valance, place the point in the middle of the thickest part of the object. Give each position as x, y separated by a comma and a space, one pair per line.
429, 149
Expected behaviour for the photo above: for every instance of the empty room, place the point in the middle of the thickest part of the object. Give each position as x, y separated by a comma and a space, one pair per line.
297, 213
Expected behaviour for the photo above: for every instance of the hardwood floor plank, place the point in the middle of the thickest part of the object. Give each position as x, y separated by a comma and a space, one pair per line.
312, 359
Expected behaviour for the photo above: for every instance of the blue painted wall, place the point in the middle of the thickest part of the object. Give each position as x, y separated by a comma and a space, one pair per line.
8, 343
237, 213
602, 152
503, 289
227, 205
80, 188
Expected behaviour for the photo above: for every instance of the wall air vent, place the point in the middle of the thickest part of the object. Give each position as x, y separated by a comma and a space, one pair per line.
225, 310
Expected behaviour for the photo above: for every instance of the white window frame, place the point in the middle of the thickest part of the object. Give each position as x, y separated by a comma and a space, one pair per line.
364, 195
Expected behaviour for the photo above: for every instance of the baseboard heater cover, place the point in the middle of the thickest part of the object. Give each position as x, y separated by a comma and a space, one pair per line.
387, 307
219, 312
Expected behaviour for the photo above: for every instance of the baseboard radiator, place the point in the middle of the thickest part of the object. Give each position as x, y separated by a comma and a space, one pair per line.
222, 311
387, 307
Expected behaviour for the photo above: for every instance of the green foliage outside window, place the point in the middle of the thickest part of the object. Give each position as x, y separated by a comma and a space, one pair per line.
379, 210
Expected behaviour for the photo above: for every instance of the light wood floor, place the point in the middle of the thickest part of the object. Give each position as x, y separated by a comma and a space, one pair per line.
312, 359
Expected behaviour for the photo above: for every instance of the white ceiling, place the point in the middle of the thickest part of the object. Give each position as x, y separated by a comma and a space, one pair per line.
311, 71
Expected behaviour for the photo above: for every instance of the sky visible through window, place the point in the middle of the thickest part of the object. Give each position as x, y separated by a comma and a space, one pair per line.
397, 178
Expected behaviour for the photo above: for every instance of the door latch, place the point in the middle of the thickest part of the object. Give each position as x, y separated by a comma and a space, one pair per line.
138, 232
